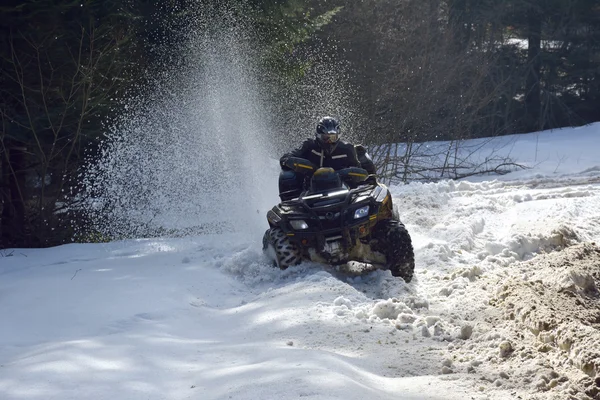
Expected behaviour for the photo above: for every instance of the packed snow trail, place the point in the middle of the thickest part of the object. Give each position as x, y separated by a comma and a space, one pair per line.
203, 317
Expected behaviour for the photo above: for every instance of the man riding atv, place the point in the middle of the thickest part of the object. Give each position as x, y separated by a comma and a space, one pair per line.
334, 211
326, 150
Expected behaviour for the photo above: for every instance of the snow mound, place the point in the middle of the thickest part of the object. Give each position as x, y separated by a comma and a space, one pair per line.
523, 246
543, 327
390, 309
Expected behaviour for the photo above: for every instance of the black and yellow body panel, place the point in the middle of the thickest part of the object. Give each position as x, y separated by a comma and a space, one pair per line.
315, 220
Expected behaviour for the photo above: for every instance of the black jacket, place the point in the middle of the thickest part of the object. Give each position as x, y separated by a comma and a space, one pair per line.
343, 156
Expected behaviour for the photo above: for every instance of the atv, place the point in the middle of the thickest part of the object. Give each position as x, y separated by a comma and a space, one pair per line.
339, 216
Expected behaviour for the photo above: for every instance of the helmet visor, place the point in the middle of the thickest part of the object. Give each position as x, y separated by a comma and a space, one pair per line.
329, 138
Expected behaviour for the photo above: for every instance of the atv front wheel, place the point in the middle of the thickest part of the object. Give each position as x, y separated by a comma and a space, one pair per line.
395, 243
278, 245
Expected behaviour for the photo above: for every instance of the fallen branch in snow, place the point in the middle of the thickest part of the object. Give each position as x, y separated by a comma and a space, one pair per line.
75, 274
430, 174
561, 159
433, 161
498, 169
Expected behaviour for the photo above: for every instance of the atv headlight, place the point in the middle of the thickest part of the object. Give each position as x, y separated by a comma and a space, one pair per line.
361, 212
298, 224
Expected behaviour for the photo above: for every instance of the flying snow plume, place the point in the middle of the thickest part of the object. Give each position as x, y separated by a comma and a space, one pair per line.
188, 157
196, 152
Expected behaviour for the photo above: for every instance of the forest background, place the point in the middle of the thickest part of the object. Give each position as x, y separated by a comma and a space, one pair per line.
417, 70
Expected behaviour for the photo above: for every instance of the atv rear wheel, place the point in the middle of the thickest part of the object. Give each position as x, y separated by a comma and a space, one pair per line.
284, 252
395, 243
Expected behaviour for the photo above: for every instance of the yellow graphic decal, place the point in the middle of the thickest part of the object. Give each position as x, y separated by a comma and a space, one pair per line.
303, 166
321, 171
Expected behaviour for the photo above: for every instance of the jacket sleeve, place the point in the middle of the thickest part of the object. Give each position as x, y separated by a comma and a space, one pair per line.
302, 151
354, 160
365, 160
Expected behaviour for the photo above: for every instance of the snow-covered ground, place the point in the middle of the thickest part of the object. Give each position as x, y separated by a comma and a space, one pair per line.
504, 303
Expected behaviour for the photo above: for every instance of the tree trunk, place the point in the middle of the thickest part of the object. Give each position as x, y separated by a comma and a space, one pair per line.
12, 221
460, 23
533, 101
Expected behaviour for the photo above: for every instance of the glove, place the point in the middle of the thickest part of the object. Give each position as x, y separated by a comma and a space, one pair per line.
299, 165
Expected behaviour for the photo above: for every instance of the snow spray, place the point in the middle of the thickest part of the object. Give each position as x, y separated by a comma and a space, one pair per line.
197, 152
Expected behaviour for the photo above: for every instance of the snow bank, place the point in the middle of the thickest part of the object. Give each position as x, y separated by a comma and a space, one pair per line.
542, 327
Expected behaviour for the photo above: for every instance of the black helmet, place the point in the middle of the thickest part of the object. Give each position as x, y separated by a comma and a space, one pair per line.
328, 132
